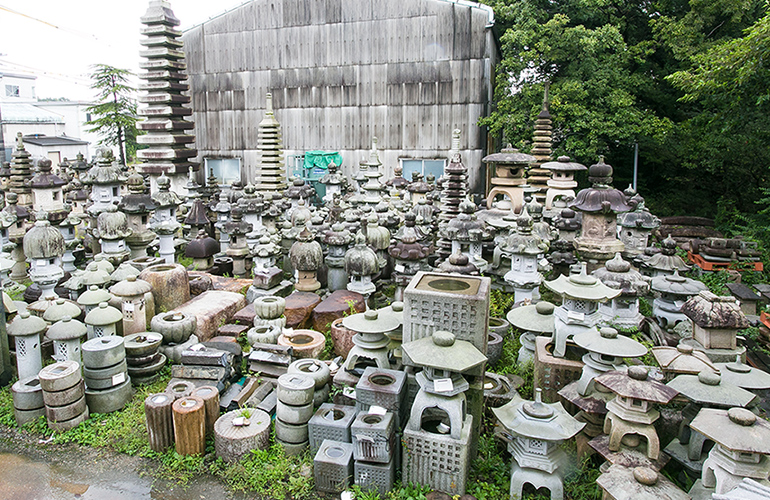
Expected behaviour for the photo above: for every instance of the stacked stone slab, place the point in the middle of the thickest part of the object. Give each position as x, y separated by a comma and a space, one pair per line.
293, 411
28, 402
108, 386
271, 173
165, 83
319, 372
63, 395
142, 357
375, 449
330, 422
202, 365
21, 173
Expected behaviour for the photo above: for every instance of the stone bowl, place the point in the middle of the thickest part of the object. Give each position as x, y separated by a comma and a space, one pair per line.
305, 343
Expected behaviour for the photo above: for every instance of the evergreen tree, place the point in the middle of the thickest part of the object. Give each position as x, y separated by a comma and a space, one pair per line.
114, 115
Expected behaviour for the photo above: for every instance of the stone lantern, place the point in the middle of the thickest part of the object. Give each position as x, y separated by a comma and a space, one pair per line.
122, 272
105, 180
166, 229
672, 291
222, 209
61, 309
47, 193
630, 412
606, 352
396, 184
137, 205
439, 422
579, 311
408, 256
705, 389
418, 188
467, 233
166, 201
378, 238
523, 247
77, 196
334, 181
743, 375
137, 313
741, 447
237, 248
71, 242
361, 265
600, 205
666, 262
635, 227
252, 205
457, 263
532, 320
508, 178
111, 231
537, 430
196, 218
337, 240
27, 332
44, 247
623, 310
266, 274
562, 183
306, 257
716, 322
66, 335
373, 188
681, 360
94, 296
16, 233
103, 321
370, 341
568, 224
202, 250
562, 257
640, 483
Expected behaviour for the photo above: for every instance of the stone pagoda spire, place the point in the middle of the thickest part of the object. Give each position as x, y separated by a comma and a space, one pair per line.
271, 173
21, 173
164, 82
537, 177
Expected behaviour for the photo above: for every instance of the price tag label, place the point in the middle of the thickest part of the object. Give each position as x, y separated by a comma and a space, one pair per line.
576, 316
377, 410
119, 378
346, 495
349, 392
333, 366
443, 385
128, 307
399, 268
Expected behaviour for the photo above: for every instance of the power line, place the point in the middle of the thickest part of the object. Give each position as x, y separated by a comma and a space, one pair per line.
82, 34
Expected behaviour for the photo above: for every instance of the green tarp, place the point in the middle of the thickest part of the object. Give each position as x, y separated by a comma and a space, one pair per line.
321, 159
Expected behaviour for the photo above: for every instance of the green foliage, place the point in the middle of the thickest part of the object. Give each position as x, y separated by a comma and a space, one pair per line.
114, 114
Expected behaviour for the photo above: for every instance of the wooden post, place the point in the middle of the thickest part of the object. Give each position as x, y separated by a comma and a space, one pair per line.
210, 396
190, 425
160, 421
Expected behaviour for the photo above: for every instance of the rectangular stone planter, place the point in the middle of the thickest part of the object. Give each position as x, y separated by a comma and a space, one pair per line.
552, 373
212, 309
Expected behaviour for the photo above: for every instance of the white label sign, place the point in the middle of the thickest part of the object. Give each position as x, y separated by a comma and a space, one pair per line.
119, 378
377, 410
576, 316
128, 307
443, 385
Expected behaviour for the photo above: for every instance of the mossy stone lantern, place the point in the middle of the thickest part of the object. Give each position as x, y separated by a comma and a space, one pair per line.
439, 422
111, 231
623, 310
306, 257
44, 248
103, 321
237, 247
27, 331
66, 335
138, 205
362, 265
537, 429
523, 248
202, 250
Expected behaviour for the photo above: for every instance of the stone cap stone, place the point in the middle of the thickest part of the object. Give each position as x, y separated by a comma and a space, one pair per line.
736, 429
533, 318
26, 324
636, 384
537, 420
707, 388
608, 343
442, 351
708, 310
103, 315
582, 287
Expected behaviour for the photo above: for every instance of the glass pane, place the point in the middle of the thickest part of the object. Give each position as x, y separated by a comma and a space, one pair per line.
226, 170
435, 167
410, 166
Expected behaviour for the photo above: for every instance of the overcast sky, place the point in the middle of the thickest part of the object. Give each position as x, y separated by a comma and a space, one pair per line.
59, 40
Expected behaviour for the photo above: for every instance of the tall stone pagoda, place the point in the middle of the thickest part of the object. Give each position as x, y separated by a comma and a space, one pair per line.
271, 172
21, 173
164, 101
537, 176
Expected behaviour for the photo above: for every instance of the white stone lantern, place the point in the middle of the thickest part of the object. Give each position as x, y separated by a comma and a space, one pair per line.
111, 231
66, 335
635, 227
532, 320
562, 183
137, 314
606, 352
524, 247
623, 310
44, 247
27, 331
103, 321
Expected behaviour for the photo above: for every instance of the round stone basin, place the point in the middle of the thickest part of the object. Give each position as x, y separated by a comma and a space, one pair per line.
382, 379
372, 419
448, 285
334, 415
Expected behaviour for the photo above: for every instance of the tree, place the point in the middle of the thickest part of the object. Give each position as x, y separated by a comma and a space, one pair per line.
115, 112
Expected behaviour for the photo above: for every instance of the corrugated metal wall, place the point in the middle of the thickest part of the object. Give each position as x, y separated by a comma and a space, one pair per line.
342, 71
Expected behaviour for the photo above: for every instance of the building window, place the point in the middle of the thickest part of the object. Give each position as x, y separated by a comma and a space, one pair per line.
226, 170
424, 166
11, 91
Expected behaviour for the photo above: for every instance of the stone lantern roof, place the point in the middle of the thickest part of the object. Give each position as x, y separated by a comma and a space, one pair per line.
736, 429
707, 388
562, 252
377, 236
537, 420
43, 241
44, 178
124, 270
458, 263
682, 359
617, 273
563, 164
409, 249
666, 260
251, 202
361, 260
371, 322
601, 196
61, 309
104, 172
607, 342
567, 220
66, 329
265, 247
338, 235
441, 351
640, 483
510, 156
636, 384
299, 189
25, 325
130, 287
640, 217
677, 285
398, 181
533, 318
112, 225
708, 310
103, 315
237, 226
743, 375
197, 215
522, 241
582, 287
137, 201
202, 246
94, 296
